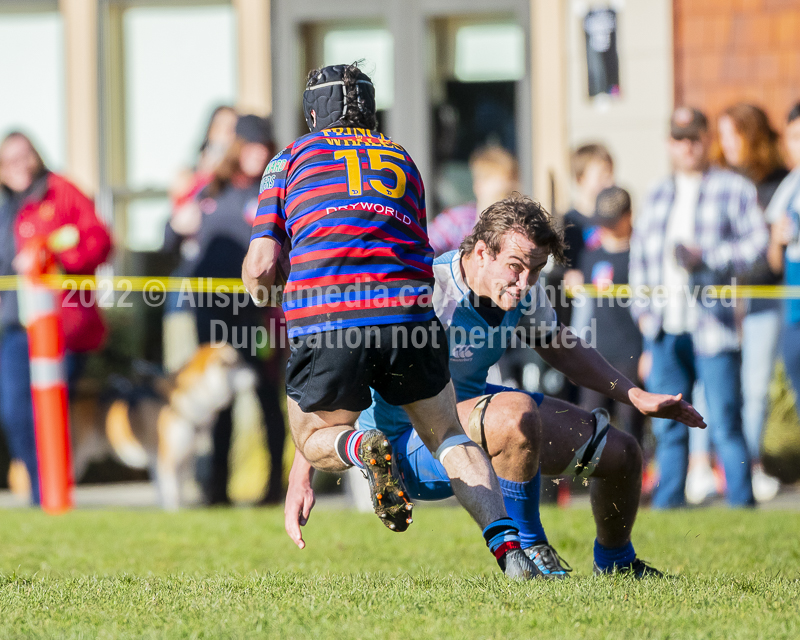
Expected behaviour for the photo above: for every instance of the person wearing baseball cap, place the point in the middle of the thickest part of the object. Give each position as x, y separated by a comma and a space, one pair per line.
700, 227
688, 123
255, 129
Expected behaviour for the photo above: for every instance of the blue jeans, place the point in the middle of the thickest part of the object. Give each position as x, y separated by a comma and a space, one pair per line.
699, 439
790, 351
759, 351
16, 405
675, 370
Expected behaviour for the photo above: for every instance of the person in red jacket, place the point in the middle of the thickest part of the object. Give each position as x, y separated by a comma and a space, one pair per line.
40, 205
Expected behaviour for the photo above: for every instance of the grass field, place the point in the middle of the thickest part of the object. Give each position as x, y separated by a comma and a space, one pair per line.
233, 573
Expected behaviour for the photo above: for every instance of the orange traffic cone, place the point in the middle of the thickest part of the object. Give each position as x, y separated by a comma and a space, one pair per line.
41, 313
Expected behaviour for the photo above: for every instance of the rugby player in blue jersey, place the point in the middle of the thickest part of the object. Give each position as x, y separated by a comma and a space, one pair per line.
486, 295
351, 205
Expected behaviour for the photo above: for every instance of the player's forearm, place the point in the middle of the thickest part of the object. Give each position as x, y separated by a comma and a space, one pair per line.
585, 366
259, 266
302, 472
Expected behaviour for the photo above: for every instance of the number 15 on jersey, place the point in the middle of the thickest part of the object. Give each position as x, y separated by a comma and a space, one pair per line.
379, 160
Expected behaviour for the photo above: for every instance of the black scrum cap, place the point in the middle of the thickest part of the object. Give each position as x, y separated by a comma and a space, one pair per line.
325, 95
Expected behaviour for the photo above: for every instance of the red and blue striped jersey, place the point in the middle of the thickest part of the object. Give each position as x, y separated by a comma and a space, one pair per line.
352, 203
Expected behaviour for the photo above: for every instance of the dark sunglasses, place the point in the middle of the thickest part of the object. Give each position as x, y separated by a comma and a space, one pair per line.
693, 139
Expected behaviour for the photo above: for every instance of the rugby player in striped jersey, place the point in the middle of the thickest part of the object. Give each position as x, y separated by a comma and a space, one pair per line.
350, 202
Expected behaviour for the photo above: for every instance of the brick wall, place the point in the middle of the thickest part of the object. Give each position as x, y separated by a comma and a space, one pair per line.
732, 50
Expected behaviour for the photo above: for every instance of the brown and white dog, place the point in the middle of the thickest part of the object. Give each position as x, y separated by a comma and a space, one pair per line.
163, 427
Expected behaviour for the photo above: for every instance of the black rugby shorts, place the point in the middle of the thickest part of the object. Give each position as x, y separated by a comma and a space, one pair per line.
335, 369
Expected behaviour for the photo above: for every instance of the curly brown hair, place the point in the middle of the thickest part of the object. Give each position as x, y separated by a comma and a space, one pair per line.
516, 213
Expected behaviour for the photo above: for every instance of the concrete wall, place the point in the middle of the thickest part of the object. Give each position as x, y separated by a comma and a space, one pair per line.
633, 125
550, 115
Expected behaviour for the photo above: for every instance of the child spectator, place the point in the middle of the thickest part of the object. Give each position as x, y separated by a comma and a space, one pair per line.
495, 175
618, 337
593, 171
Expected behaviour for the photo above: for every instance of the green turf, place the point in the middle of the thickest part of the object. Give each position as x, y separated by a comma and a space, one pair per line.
233, 573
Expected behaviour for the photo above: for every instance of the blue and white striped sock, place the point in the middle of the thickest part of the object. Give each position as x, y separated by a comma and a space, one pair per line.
347, 447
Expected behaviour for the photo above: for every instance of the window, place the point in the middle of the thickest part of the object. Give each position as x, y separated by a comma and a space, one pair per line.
490, 52
180, 63
375, 47
479, 66
32, 81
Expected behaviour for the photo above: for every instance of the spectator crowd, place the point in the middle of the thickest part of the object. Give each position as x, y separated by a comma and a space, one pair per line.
727, 214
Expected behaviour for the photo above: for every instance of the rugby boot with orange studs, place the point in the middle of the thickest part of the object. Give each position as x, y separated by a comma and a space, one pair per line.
387, 489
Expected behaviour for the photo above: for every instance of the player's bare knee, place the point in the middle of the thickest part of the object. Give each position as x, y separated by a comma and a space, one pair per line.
514, 424
627, 454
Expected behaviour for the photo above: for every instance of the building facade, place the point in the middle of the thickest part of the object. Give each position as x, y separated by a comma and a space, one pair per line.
117, 93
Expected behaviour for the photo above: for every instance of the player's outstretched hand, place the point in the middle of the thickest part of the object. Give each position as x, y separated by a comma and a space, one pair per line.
299, 502
659, 405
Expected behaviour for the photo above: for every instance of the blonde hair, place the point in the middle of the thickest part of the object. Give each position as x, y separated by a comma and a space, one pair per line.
586, 154
494, 159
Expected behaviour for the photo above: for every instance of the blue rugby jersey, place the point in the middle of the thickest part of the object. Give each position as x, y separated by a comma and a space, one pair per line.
352, 203
474, 346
